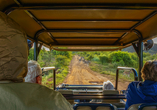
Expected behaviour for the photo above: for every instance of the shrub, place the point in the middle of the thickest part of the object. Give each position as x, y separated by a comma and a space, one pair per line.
103, 59
121, 58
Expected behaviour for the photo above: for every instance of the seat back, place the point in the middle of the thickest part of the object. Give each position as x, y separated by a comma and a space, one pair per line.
149, 106
107, 92
67, 92
83, 108
111, 92
94, 106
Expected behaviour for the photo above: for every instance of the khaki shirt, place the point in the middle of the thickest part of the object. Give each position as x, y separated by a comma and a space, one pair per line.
29, 96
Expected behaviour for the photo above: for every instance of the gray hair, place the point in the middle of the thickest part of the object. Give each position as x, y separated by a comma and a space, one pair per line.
108, 86
34, 70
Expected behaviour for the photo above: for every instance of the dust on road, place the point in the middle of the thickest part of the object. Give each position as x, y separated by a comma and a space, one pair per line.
81, 74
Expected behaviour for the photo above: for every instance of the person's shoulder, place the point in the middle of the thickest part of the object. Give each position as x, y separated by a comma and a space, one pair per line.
133, 84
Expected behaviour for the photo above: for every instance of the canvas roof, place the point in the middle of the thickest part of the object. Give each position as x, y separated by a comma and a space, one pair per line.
84, 24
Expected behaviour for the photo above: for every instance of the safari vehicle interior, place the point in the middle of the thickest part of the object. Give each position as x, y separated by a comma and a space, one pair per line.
87, 25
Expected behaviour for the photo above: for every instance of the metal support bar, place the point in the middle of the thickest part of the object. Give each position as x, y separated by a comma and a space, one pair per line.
80, 30
18, 2
139, 50
140, 54
117, 75
85, 49
54, 79
87, 37
120, 38
137, 24
135, 48
35, 50
93, 96
80, 6
32, 16
145, 19
113, 6
87, 20
125, 68
39, 48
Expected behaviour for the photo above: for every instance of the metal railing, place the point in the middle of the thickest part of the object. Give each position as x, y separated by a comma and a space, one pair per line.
54, 74
125, 68
67, 86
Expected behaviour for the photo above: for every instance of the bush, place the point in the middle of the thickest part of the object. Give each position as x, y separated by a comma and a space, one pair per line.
103, 59
121, 58
95, 58
61, 61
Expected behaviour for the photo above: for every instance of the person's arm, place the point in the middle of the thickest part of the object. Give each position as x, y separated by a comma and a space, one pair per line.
127, 95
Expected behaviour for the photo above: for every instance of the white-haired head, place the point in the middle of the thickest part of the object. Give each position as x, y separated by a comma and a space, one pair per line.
108, 86
34, 70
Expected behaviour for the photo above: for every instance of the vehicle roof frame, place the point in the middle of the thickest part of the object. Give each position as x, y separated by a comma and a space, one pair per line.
76, 6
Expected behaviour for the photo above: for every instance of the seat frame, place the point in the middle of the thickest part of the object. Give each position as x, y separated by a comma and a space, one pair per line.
93, 105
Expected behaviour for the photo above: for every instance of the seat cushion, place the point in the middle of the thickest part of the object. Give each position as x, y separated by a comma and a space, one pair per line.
135, 107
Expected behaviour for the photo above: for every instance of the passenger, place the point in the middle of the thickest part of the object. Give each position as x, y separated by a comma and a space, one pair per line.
108, 86
34, 74
15, 94
30, 44
144, 92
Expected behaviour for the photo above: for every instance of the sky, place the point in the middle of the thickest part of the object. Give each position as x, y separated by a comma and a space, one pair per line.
155, 40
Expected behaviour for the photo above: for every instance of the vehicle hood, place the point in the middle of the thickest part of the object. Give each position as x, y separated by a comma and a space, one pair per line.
13, 50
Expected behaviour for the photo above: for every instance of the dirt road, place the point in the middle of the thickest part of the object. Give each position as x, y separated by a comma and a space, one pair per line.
80, 73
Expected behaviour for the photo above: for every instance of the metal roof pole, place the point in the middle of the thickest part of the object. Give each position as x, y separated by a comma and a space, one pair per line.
35, 50
139, 50
140, 54
54, 79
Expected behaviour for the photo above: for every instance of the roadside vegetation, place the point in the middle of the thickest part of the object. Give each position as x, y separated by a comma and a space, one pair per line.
104, 63
60, 60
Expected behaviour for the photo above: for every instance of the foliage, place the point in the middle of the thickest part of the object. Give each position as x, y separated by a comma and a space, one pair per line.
103, 59
63, 53
102, 62
122, 58
61, 61
31, 54
90, 57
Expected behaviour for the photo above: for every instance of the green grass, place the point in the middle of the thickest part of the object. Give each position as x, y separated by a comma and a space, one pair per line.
47, 80
109, 69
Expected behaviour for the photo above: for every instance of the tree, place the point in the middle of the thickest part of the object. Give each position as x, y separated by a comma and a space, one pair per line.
31, 54
61, 61
119, 56
103, 59
90, 57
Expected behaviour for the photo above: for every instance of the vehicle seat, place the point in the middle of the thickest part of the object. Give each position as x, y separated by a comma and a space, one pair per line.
148, 106
111, 92
107, 92
67, 92
115, 102
94, 106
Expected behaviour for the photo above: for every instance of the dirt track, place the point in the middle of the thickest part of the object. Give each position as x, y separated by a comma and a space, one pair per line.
80, 73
